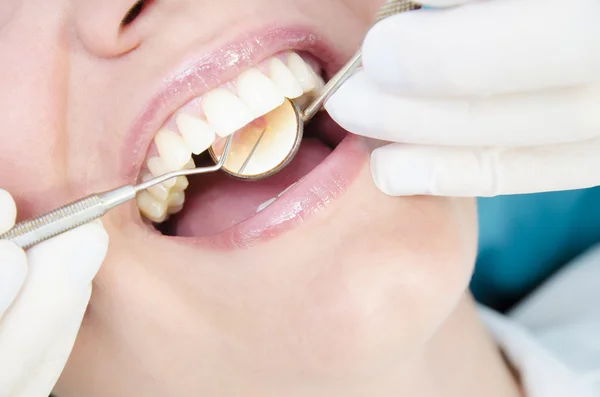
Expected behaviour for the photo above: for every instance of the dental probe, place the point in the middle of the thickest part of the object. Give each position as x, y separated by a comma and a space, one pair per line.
28, 233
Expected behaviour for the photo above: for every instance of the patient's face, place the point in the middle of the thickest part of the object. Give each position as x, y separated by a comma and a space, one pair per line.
323, 289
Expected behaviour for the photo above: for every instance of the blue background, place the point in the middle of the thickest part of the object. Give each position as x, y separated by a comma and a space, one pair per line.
525, 238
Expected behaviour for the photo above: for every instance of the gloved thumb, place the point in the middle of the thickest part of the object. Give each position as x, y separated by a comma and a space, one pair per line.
75, 255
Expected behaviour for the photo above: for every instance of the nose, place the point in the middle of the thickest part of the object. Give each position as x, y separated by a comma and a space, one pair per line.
110, 28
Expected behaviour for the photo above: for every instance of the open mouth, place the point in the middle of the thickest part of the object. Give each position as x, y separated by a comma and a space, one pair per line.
210, 204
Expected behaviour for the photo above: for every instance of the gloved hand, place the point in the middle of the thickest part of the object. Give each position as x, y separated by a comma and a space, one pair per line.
480, 99
43, 297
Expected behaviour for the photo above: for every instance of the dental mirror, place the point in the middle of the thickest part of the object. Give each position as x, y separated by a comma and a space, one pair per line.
265, 146
269, 144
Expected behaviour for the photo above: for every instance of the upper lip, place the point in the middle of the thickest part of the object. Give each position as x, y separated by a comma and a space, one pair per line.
211, 68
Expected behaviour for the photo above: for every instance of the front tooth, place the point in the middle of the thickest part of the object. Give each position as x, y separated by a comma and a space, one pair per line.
258, 92
175, 202
160, 191
283, 77
196, 133
157, 167
151, 208
265, 204
225, 112
172, 149
303, 72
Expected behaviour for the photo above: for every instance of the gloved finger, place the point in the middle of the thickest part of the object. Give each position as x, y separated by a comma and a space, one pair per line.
486, 48
8, 211
406, 170
542, 117
48, 366
13, 269
57, 287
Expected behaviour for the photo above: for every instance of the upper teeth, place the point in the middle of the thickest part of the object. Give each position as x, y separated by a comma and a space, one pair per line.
259, 92
225, 112
222, 111
196, 133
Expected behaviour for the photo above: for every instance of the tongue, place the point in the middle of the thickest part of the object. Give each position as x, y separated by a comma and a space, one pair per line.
216, 202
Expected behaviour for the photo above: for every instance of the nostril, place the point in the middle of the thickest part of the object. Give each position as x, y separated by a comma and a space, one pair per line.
134, 12
111, 28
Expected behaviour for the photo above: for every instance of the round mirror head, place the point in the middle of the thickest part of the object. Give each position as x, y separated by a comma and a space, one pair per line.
265, 146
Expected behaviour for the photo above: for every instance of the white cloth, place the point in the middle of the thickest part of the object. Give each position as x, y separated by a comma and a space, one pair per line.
553, 337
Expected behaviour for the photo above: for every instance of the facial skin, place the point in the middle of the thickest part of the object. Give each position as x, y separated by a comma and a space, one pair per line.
371, 303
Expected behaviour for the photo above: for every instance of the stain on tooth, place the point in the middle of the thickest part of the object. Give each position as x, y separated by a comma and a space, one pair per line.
197, 134
225, 112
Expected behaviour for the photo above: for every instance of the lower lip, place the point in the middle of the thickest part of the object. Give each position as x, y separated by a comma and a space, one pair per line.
313, 194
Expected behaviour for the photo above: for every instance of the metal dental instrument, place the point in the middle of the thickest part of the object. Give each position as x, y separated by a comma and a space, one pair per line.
260, 152
28, 233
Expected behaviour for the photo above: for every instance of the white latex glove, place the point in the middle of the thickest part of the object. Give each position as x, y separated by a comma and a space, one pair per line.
43, 297
484, 98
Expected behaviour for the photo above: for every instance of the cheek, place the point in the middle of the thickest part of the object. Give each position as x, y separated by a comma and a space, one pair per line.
33, 96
